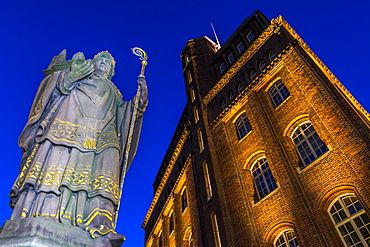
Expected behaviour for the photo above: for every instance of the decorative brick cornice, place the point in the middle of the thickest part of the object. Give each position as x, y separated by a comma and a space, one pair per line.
252, 49
167, 173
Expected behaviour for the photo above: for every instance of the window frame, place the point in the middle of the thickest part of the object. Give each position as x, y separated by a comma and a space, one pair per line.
278, 93
222, 68
207, 180
231, 57
253, 74
306, 139
284, 234
184, 200
240, 47
251, 36
266, 175
351, 219
245, 126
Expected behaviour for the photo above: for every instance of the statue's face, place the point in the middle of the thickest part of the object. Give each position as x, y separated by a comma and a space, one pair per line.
102, 66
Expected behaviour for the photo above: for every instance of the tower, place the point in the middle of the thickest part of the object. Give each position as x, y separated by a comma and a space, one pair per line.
271, 148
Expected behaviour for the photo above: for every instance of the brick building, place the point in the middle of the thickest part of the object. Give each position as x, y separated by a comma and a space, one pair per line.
271, 150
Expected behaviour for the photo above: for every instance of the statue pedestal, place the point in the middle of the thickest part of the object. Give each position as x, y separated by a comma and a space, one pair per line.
43, 232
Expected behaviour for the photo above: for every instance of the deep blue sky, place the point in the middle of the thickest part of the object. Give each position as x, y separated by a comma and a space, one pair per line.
32, 32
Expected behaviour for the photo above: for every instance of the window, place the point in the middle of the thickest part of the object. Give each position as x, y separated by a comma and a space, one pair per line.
184, 200
240, 87
278, 93
200, 140
286, 238
192, 94
190, 78
172, 222
196, 114
231, 58
262, 65
216, 232
351, 221
308, 143
240, 47
207, 180
253, 74
250, 36
272, 54
186, 59
223, 104
243, 126
231, 95
264, 181
222, 68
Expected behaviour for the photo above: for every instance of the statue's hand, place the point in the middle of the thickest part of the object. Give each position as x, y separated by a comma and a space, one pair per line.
80, 69
143, 86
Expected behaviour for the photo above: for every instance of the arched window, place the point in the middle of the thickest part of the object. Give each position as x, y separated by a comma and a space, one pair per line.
286, 238
243, 126
223, 104
253, 74
190, 78
308, 143
278, 93
216, 232
207, 180
200, 140
231, 95
262, 65
184, 200
240, 87
192, 94
196, 114
172, 222
272, 55
350, 220
263, 179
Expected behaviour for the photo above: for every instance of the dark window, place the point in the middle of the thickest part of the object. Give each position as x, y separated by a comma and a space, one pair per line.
231, 58
241, 47
262, 65
222, 68
184, 200
272, 55
231, 95
242, 126
240, 87
308, 143
286, 238
278, 93
253, 74
264, 181
172, 223
223, 104
250, 36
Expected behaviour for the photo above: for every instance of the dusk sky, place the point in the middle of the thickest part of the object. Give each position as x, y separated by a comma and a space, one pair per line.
32, 32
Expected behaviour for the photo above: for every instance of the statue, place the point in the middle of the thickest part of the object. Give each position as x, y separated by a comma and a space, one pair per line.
77, 145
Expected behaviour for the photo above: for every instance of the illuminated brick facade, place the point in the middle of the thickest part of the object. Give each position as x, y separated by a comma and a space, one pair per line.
271, 148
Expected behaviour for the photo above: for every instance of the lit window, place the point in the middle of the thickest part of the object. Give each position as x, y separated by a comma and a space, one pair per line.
184, 200
264, 181
272, 55
308, 143
351, 221
262, 65
192, 94
286, 238
223, 104
207, 180
172, 222
190, 78
240, 47
231, 58
240, 87
200, 140
216, 232
231, 95
186, 59
243, 126
196, 114
253, 74
278, 93
222, 68
250, 36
